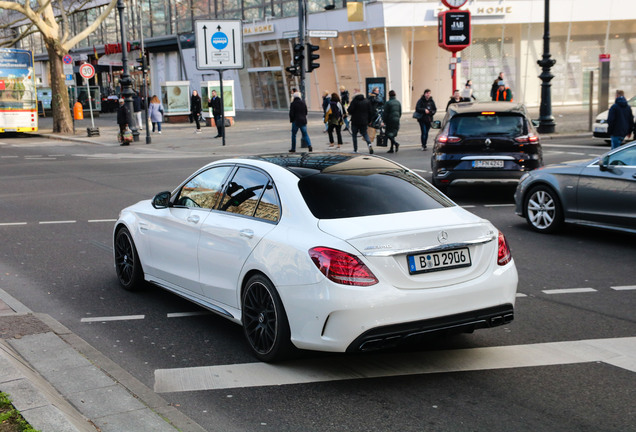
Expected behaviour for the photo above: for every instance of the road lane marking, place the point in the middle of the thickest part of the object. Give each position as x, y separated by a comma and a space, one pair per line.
12, 223
624, 288
101, 220
499, 205
57, 222
620, 352
187, 314
522, 295
568, 290
114, 318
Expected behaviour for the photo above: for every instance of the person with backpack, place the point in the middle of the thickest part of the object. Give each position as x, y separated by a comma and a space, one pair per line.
362, 114
334, 119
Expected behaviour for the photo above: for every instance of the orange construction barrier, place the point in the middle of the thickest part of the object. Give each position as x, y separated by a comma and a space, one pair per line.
78, 111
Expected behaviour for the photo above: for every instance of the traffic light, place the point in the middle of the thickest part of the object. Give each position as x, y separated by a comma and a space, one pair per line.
299, 55
293, 70
142, 64
311, 57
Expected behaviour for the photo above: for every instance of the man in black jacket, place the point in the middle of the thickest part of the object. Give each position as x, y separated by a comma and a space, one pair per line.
620, 120
298, 119
123, 118
215, 103
362, 113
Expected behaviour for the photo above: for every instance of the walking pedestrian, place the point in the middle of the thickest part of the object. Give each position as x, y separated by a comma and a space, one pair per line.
425, 109
467, 93
124, 118
215, 103
495, 86
391, 118
362, 113
155, 112
298, 119
620, 120
334, 119
455, 98
326, 99
503, 94
137, 109
195, 110
344, 101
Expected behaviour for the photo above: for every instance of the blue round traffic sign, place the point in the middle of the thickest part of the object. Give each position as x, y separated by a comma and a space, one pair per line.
67, 59
219, 40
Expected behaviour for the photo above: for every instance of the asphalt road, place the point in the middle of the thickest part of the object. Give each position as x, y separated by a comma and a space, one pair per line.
543, 371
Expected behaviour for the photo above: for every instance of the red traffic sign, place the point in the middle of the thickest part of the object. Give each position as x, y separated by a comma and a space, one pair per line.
87, 71
67, 59
454, 29
604, 57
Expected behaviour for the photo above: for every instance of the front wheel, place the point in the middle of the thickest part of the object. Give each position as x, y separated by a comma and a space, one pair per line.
543, 209
127, 264
264, 320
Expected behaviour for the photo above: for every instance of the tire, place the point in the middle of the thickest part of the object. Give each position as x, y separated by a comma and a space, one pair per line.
127, 264
264, 321
543, 209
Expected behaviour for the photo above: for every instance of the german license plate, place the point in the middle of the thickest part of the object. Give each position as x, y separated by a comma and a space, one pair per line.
490, 163
600, 129
440, 260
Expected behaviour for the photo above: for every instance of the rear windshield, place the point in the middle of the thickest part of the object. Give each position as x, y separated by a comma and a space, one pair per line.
479, 124
353, 194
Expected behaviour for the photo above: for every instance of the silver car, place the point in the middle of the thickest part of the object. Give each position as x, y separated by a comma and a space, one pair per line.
600, 193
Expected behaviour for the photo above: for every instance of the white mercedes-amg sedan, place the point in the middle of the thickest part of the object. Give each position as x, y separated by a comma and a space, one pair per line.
331, 252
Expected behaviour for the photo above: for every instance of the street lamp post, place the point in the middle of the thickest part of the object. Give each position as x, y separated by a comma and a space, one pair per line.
546, 120
125, 81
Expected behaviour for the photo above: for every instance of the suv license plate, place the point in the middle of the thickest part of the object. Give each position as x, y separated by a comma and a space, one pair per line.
490, 163
441, 260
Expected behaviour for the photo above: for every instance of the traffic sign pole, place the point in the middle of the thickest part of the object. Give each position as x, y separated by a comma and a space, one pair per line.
87, 71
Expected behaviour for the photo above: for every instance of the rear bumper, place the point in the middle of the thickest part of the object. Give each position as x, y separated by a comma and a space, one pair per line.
394, 335
479, 176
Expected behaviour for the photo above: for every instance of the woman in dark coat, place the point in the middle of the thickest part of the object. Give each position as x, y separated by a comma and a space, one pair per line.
391, 118
195, 109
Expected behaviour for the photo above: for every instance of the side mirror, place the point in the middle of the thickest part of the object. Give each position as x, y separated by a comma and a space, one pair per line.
603, 164
536, 123
161, 200
436, 124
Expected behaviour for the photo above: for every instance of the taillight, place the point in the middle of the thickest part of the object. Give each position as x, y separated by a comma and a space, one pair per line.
503, 251
530, 138
342, 267
444, 139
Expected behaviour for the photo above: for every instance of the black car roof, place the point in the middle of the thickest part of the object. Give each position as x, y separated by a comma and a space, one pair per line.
304, 164
500, 107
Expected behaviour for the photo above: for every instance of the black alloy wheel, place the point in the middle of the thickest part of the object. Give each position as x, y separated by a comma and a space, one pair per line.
127, 263
542, 208
264, 320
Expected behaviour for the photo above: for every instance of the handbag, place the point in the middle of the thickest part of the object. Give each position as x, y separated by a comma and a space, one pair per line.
417, 115
126, 136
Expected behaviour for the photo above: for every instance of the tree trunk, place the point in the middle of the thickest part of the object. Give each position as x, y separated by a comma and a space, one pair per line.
62, 120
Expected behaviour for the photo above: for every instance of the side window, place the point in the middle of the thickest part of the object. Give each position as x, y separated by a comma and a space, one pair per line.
268, 208
244, 191
624, 157
204, 190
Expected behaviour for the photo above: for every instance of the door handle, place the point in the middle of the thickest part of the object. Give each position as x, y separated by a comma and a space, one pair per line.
247, 233
193, 218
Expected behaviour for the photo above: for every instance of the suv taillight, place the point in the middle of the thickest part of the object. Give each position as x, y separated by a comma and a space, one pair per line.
342, 267
527, 139
446, 139
503, 251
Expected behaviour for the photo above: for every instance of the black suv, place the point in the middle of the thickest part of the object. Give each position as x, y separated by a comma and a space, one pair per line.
493, 142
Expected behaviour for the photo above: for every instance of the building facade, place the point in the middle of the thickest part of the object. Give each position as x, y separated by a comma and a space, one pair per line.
395, 40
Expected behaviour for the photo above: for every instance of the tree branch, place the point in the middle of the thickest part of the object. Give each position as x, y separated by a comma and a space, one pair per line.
67, 45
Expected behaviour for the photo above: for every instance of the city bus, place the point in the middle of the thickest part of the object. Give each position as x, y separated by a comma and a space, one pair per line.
18, 96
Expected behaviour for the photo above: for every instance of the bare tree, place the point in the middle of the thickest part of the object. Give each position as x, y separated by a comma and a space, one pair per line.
51, 20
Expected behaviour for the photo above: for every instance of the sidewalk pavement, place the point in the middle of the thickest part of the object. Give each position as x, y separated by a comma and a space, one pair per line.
58, 381
269, 131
